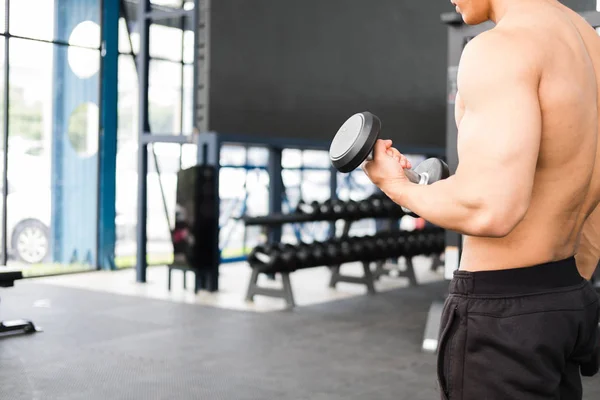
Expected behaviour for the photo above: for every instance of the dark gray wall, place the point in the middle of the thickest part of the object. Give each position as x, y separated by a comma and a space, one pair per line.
580, 5
289, 68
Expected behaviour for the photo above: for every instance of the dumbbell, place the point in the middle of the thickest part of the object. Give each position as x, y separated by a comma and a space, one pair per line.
332, 208
381, 246
353, 144
306, 208
426, 242
343, 250
370, 250
423, 244
332, 253
401, 244
385, 245
411, 245
365, 208
377, 205
319, 256
351, 210
266, 257
304, 255
338, 208
394, 249
358, 248
390, 208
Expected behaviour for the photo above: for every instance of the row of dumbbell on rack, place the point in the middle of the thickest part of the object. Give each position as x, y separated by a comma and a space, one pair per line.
382, 246
376, 206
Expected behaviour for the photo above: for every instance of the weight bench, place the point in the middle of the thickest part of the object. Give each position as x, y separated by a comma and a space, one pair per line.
16, 327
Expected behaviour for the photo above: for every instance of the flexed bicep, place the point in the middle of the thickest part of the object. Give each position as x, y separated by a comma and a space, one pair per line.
500, 126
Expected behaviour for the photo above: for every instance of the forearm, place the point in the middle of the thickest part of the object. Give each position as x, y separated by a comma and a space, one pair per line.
446, 203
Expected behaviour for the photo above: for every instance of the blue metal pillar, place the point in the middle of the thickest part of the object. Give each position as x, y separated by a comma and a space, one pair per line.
107, 149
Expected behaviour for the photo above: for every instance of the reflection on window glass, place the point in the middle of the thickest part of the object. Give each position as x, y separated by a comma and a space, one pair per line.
2, 127
166, 42
162, 188
128, 101
83, 129
291, 182
165, 97
258, 156
168, 3
246, 193
85, 34
189, 156
188, 108
233, 155
38, 24
291, 158
355, 186
124, 45
316, 158
50, 19
2, 16
36, 117
127, 159
315, 186
84, 62
31, 99
188, 47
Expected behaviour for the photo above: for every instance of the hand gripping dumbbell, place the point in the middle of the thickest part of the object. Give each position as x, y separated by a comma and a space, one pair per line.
353, 144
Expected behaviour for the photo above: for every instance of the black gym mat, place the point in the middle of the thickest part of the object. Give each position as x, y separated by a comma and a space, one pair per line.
105, 346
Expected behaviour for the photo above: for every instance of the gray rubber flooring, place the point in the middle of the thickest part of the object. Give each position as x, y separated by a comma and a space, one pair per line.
104, 346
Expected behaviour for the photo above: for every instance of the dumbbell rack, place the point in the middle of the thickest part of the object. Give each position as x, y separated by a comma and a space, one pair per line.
391, 215
369, 277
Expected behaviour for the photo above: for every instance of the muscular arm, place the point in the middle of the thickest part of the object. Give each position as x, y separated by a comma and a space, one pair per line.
498, 143
588, 253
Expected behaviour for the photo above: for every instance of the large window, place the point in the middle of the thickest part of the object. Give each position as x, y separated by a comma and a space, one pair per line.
170, 113
52, 139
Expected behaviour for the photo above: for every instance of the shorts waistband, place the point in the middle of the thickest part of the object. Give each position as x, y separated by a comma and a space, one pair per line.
548, 276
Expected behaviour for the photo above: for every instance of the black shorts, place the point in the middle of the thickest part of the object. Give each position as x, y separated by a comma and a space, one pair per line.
519, 334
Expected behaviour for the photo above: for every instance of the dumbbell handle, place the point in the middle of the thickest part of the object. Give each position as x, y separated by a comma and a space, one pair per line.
414, 177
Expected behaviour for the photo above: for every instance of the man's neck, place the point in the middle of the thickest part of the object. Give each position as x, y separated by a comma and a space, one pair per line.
499, 8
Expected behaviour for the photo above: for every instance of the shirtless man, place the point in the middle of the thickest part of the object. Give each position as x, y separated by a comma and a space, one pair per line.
521, 320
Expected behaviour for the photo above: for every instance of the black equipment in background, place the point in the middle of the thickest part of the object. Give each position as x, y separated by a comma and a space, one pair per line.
196, 232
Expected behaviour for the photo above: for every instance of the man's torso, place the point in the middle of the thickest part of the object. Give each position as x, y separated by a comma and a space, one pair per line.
565, 56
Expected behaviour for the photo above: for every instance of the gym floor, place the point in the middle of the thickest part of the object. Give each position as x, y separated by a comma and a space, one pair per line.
98, 344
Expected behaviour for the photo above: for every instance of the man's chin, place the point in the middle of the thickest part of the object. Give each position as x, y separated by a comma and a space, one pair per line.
469, 21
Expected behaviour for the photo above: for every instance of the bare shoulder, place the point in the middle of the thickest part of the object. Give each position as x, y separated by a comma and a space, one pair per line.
501, 53
503, 47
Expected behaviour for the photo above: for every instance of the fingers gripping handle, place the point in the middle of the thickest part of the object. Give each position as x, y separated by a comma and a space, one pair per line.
412, 176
